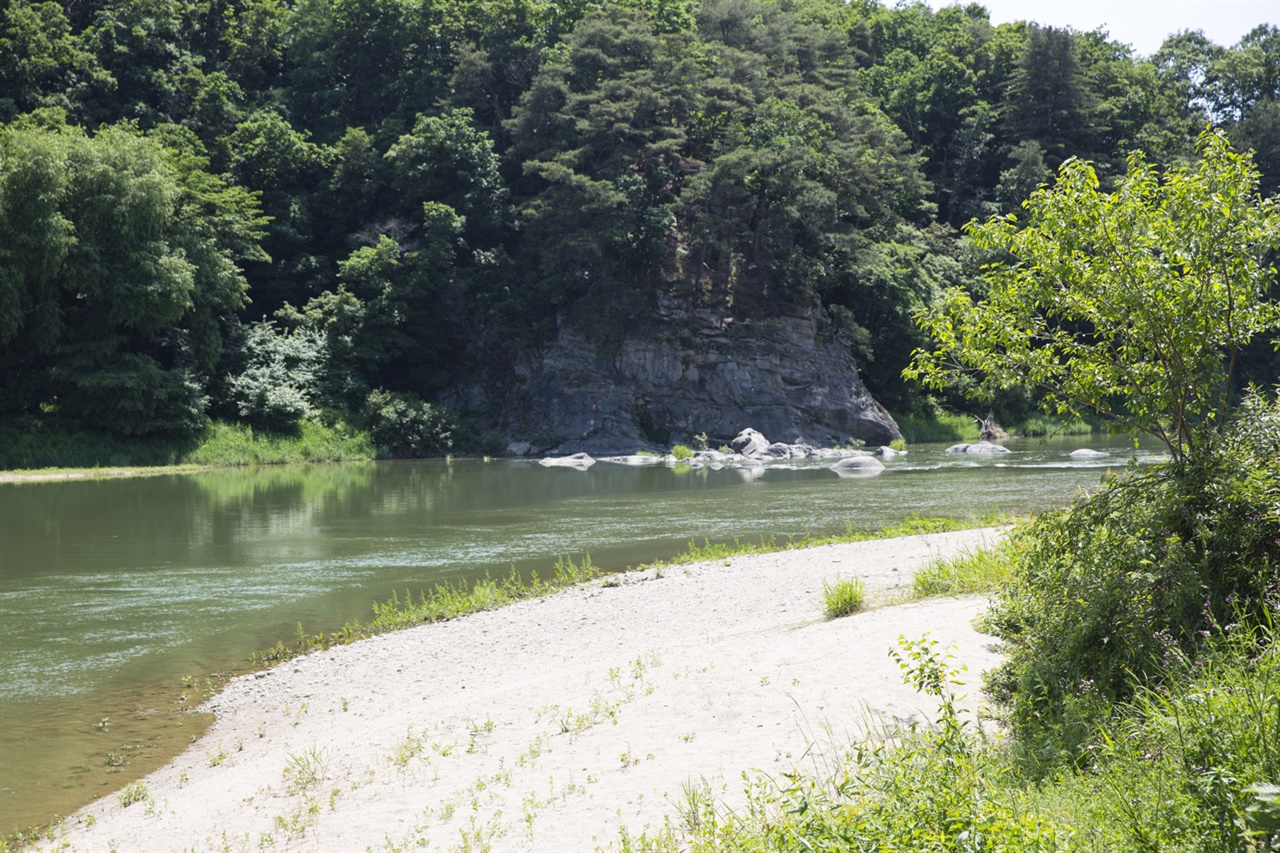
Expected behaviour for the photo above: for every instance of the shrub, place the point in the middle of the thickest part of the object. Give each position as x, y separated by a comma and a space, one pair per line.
274, 391
682, 452
403, 425
843, 596
1113, 590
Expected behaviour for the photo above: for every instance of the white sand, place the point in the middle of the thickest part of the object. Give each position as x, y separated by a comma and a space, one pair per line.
551, 724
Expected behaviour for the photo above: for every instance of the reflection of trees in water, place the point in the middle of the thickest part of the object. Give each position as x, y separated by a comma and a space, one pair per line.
96, 526
256, 508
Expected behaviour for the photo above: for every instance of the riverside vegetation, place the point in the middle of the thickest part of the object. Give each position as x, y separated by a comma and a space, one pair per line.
1140, 701
1140, 696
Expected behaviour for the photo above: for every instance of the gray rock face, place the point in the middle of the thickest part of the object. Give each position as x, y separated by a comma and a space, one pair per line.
980, 447
698, 371
1086, 453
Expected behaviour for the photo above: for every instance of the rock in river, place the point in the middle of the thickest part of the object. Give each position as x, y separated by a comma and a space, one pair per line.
580, 461
980, 447
858, 466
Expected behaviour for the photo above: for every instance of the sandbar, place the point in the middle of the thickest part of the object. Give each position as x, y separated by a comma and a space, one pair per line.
554, 724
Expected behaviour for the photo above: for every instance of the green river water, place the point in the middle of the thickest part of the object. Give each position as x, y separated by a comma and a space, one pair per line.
117, 595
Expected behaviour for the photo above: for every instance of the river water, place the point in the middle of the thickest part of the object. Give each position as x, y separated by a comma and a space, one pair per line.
119, 597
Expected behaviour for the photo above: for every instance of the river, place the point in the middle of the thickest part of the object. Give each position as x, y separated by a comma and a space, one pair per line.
119, 597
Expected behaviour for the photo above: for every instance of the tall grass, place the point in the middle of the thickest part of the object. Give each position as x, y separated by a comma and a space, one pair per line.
941, 426
969, 573
442, 602
45, 446
843, 597
228, 444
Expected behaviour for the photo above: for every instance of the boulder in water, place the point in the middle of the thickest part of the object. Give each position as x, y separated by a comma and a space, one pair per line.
579, 461
858, 466
980, 447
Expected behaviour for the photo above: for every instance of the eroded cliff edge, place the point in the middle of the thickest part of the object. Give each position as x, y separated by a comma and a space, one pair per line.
687, 370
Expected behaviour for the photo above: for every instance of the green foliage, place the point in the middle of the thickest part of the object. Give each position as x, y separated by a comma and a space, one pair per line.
42, 62
1184, 768
937, 426
135, 792
919, 789
1081, 308
282, 370
976, 573
682, 452
118, 260
227, 444
402, 425
843, 597
1117, 588
1051, 103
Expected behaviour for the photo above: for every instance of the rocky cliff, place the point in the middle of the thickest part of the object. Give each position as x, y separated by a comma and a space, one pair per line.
695, 370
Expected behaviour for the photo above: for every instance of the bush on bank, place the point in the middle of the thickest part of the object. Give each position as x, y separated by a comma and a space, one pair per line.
1113, 590
1142, 688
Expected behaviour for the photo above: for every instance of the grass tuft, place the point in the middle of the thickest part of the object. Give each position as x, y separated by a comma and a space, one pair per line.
843, 596
970, 573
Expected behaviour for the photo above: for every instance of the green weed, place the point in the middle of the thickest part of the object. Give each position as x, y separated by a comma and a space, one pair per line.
970, 573
843, 596
135, 792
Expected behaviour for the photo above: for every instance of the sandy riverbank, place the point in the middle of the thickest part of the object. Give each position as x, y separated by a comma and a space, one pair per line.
551, 724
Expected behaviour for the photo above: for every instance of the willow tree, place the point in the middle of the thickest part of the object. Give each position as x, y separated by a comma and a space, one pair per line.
1130, 305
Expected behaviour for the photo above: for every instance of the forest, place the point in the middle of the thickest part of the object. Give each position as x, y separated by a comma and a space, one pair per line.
280, 212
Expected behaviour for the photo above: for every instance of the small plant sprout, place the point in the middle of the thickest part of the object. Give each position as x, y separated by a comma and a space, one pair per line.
135, 792
843, 596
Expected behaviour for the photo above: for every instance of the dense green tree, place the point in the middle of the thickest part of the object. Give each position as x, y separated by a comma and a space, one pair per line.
364, 62
599, 133
279, 376
1051, 101
265, 153
1084, 307
117, 256
42, 63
